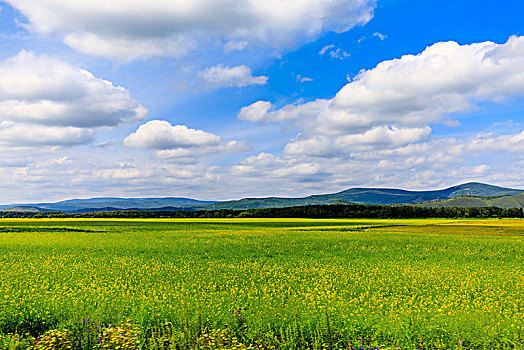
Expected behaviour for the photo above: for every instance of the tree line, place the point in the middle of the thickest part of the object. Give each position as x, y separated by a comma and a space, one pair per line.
356, 211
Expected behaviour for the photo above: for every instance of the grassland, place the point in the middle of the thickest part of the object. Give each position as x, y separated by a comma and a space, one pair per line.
295, 283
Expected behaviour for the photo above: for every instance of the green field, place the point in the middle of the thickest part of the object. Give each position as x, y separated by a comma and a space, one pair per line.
296, 283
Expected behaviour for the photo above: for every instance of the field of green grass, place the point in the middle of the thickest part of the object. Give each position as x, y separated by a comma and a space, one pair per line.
270, 283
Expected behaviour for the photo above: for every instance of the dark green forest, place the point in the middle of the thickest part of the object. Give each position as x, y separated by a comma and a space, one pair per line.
356, 211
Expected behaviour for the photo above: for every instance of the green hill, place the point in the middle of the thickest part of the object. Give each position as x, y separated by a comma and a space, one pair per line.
516, 201
375, 196
508, 201
460, 195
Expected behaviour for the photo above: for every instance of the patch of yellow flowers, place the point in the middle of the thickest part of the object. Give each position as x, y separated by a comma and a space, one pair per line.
124, 336
54, 339
219, 339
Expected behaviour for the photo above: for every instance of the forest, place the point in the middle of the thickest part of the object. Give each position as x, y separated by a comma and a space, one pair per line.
354, 211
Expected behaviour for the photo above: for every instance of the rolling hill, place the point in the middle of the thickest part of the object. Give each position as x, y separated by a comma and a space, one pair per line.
372, 196
516, 201
27, 209
108, 204
469, 194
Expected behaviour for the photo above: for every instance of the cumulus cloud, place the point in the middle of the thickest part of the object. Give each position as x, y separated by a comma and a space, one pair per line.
179, 141
44, 90
255, 112
414, 166
316, 165
45, 101
261, 111
27, 135
413, 91
265, 166
161, 135
169, 28
316, 146
494, 142
381, 137
224, 76
377, 129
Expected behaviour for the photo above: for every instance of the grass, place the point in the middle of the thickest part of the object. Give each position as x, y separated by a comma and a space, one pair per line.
295, 283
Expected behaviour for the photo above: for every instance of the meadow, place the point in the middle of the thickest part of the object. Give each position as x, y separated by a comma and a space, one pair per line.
262, 283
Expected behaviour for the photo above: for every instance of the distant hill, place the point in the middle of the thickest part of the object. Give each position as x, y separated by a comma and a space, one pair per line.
371, 196
516, 201
25, 209
97, 204
469, 194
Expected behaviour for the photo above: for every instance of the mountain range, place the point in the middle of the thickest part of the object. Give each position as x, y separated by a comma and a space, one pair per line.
469, 194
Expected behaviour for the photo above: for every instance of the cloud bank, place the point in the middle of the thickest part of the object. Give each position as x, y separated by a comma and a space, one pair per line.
403, 96
378, 127
127, 30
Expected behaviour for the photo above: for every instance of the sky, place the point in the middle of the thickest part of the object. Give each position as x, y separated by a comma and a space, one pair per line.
226, 99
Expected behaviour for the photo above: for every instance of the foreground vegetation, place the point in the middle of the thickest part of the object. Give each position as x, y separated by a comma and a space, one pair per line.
261, 283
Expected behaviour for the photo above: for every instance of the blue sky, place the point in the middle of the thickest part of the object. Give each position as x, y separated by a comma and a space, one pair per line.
223, 99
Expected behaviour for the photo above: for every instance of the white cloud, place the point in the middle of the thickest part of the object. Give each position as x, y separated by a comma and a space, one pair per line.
266, 167
335, 53
161, 135
325, 49
44, 90
188, 154
255, 112
224, 76
45, 101
380, 36
338, 53
179, 141
316, 146
260, 111
235, 45
302, 79
494, 142
375, 35
100, 172
316, 165
129, 49
169, 28
383, 136
451, 123
414, 90
27, 135
377, 138
376, 130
